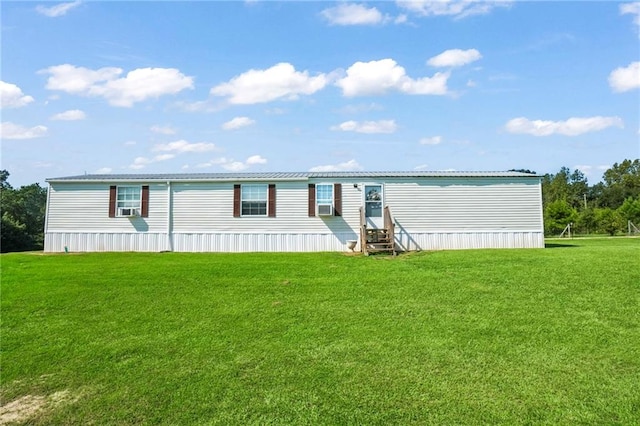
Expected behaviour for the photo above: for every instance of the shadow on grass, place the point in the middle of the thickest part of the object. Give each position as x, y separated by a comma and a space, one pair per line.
559, 245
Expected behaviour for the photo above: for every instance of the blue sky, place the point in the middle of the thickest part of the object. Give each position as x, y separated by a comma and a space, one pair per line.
151, 87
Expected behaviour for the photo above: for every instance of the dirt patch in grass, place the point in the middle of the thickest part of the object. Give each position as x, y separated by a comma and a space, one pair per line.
23, 408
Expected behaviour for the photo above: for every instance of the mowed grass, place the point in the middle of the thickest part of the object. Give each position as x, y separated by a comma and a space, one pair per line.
459, 337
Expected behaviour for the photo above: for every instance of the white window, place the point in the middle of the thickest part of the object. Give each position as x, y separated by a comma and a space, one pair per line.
254, 200
324, 199
128, 201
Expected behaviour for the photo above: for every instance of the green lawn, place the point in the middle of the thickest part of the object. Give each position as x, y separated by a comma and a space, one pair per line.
459, 337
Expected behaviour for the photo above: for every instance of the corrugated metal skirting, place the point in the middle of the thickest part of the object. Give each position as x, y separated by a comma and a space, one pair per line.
80, 242
245, 242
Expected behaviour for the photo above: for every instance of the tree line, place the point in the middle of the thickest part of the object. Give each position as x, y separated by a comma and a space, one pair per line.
567, 197
23, 212
603, 208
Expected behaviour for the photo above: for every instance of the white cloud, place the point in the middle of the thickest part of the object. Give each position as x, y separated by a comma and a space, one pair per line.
281, 81
130, 143
8, 130
381, 126
352, 14
11, 96
104, 170
232, 165
256, 159
71, 115
632, 9
142, 162
421, 167
182, 146
572, 127
57, 10
588, 170
137, 86
237, 123
379, 77
457, 8
163, 130
454, 58
433, 140
625, 79
348, 166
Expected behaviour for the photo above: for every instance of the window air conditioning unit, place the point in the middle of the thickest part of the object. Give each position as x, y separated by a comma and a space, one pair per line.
129, 212
325, 210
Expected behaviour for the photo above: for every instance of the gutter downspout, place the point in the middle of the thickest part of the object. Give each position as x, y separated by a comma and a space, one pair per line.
169, 218
46, 218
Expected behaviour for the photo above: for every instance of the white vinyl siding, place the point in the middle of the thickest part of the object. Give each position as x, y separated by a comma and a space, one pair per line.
84, 207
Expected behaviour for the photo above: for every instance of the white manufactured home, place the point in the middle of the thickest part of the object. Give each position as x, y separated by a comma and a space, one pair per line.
294, 212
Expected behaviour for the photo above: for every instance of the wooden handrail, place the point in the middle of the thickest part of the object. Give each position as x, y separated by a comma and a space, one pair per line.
390, 227
363, 232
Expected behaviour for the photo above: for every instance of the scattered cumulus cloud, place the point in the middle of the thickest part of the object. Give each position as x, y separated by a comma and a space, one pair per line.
457, 9
11, 96
454, 58
348, 166
163, 130
182, 146
9, 130
57, 10
138, 85
281, 81
589, 170
381, 126
421, 167
232, 165
433, 140
623, 79
379, 77
142, 162
256, 159
104, 170
71, 115
353, 14
237, 123
632, 9
572, 127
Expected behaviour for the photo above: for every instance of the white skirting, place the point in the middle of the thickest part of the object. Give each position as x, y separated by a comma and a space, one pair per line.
274, 242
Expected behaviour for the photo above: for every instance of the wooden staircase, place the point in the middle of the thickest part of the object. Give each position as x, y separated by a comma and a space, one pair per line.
378, 240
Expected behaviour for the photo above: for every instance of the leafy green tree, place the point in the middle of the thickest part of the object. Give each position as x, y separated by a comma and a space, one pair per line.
23, 215
557, 215
621, 181
609, 221
586, 221
565, 186
630, 210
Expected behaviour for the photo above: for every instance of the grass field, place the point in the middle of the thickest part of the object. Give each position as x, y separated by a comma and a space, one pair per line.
460, 337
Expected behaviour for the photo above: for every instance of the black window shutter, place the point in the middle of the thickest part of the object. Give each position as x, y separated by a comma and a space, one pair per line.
272, 200
145, 201
236, 200
337, 199
112, 201
312, 199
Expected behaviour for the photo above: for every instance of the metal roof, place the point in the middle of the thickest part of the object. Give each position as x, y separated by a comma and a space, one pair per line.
271, 176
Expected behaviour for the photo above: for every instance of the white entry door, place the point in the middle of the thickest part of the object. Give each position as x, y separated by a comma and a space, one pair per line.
373, 203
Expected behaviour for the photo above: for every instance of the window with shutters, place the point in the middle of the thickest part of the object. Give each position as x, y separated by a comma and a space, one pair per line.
129, 201
324, 199
254, 199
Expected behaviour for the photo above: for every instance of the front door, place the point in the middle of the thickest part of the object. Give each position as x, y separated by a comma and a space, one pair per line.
373, 206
